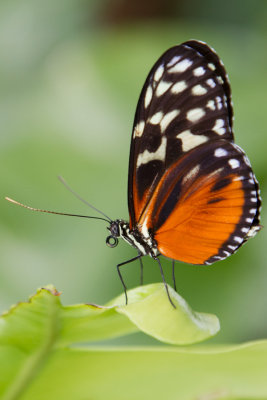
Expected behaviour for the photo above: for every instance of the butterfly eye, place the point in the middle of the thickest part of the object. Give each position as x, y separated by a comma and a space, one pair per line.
111, 241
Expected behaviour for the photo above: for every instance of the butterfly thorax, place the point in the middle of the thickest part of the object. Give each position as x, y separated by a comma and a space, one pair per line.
144, 245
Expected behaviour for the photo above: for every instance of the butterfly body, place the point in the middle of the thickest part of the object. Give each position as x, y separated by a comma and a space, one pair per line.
134, 237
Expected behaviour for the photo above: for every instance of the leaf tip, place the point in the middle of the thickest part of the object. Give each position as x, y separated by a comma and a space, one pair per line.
51, 289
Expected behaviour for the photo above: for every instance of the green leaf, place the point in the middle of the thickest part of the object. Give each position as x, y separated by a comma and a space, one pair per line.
37, 362
150, 310
219, 373
43, 321
31, 331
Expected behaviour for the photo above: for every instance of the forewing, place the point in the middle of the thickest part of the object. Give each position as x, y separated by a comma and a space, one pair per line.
206, 205
185, 102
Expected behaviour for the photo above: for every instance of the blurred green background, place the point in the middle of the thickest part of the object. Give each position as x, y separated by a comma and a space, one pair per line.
70, 76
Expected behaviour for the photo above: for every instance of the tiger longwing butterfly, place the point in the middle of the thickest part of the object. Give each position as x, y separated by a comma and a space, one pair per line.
192, 195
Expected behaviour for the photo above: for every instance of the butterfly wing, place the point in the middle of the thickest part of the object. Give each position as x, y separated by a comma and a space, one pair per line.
190, 187
185, 102
205, 206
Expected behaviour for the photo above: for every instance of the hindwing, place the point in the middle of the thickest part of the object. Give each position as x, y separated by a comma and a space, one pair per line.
205, 206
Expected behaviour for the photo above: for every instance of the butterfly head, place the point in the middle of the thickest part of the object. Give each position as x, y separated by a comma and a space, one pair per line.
114, 228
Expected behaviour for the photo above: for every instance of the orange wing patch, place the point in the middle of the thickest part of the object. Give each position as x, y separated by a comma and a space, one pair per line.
201, 221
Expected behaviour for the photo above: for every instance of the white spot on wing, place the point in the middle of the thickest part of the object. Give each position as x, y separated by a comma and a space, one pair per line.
199, 90
238, 239
173, 61
159, 73
211, 83
211, 105
159, 154
162, 87
181, 66
189, 140
179, 87
148, 96
192, 173
167, 119
239, 178
156, 118
219, 127
252, 211
139, 129
234, 163
219, 102
199, 71
220, 152
211, 66
195, 114
231, 247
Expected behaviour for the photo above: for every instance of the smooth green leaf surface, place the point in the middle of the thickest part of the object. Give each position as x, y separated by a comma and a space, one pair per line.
150, 310
220, 373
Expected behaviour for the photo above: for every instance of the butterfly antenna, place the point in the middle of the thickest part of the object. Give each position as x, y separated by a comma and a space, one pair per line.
62, 180
52, 212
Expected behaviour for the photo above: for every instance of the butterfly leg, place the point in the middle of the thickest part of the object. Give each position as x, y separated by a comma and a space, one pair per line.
120, 276
141, 272
173, 275
164, 281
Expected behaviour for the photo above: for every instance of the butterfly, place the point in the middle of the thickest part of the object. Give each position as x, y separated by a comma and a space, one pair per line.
192, 194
